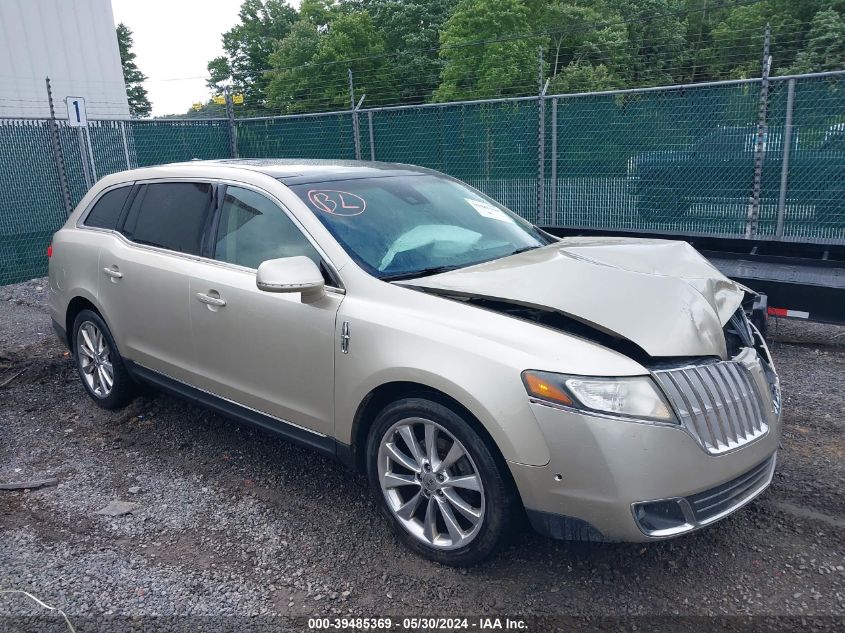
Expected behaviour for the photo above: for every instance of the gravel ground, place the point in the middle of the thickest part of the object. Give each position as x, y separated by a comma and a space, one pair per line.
231, 522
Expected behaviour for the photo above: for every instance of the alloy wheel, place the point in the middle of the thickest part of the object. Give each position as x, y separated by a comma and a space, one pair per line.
95, 359
431, 483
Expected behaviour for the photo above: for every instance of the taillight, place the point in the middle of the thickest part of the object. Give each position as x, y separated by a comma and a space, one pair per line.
49, 251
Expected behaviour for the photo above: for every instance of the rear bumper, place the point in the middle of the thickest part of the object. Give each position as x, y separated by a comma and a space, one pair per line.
603, 471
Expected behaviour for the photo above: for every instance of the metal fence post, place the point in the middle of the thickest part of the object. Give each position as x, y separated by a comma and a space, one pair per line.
125, 144
541, 140
58, 157
553, 177
787, 146
233, 130
753, 222
86, 168
91, 154
372, 135
355, 126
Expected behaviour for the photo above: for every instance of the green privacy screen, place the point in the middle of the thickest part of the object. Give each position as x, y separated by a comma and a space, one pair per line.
31, 206
677, 160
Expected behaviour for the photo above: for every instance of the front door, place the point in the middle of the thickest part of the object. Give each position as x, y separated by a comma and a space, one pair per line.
267, 351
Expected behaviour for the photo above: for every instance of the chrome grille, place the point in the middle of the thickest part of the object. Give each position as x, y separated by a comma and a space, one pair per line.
718, 403
710, 504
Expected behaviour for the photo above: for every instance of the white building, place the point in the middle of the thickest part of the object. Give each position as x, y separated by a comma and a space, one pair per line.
71, 41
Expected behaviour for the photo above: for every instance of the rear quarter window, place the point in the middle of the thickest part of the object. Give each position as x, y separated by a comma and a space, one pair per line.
170, 215
106, 211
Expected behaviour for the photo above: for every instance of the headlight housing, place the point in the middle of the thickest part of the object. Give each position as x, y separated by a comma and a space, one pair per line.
636, 397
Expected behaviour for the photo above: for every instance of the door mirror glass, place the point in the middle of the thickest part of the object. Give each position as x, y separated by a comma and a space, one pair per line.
291, 274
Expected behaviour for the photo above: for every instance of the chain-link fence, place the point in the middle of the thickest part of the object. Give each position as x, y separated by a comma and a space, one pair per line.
751, 159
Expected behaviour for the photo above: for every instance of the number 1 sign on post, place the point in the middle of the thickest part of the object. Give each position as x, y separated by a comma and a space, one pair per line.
76, 116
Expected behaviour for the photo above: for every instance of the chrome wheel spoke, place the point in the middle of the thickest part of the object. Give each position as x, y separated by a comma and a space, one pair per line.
431, 446
105, 379
430, 522
399, 457
394, 480
455, 532
407, 434
468, 482
407, 510
454, 454
88, 339
96, 383
457, 502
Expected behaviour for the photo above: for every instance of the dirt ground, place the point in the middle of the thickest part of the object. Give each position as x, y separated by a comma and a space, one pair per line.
232, 522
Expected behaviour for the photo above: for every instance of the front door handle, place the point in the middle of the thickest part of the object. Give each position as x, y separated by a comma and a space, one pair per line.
114, 274
212, 301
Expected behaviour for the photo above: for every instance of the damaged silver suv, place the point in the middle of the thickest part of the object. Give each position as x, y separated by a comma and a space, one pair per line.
392, 317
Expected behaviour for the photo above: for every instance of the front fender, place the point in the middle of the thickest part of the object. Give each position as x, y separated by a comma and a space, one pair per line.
511, 424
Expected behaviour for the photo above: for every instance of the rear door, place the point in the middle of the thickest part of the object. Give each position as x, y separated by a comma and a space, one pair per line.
145, 271
267, 351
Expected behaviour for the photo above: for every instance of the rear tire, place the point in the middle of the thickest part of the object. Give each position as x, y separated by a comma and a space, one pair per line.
101, 369
447, 498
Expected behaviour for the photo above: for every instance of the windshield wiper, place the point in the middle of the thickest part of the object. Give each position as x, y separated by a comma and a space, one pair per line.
425, 272
524, 249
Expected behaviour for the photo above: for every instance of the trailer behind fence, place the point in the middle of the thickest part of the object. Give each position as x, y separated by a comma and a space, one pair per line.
699, 159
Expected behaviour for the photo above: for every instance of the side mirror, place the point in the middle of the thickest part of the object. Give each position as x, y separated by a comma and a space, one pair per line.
291, 274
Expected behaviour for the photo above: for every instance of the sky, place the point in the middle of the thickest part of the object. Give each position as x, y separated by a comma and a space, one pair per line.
175, 40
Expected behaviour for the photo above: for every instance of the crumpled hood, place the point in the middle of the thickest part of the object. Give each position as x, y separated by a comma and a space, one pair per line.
661, 295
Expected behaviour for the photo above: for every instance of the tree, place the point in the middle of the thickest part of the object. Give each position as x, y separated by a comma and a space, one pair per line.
584, 77
136, 94
248, 46
505, 65
657, 46
588, 47
290, 81
310, 69
411, 30
825, 47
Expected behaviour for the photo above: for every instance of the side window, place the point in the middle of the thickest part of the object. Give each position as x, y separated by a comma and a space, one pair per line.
254, 229
171, 215
106, 212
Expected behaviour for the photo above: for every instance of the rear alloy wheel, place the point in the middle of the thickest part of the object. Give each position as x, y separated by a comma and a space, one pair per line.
438, 482
95, 360
98, 363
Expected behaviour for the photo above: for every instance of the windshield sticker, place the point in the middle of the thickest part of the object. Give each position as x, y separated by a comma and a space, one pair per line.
488, 210
337, 202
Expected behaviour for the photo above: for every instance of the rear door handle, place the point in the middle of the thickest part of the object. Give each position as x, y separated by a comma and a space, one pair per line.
212, 301
114, 274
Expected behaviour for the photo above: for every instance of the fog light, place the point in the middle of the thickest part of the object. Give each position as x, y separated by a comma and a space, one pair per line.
661, 518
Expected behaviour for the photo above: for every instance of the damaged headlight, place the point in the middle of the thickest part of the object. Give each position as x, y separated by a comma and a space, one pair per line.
634, 397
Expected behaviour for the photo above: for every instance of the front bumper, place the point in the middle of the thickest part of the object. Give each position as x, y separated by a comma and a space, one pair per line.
602, 469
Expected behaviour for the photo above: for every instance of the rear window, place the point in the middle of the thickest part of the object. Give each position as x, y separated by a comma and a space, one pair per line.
106, 212
170, 215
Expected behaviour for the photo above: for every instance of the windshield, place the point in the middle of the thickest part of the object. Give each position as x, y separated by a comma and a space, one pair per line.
398, 227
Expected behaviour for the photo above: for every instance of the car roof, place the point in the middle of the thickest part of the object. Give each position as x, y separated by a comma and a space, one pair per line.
301, 171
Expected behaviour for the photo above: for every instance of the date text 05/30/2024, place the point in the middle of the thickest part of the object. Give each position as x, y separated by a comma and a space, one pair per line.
418, 624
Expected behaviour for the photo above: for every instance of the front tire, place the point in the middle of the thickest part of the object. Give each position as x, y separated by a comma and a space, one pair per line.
438, 483
100, 367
